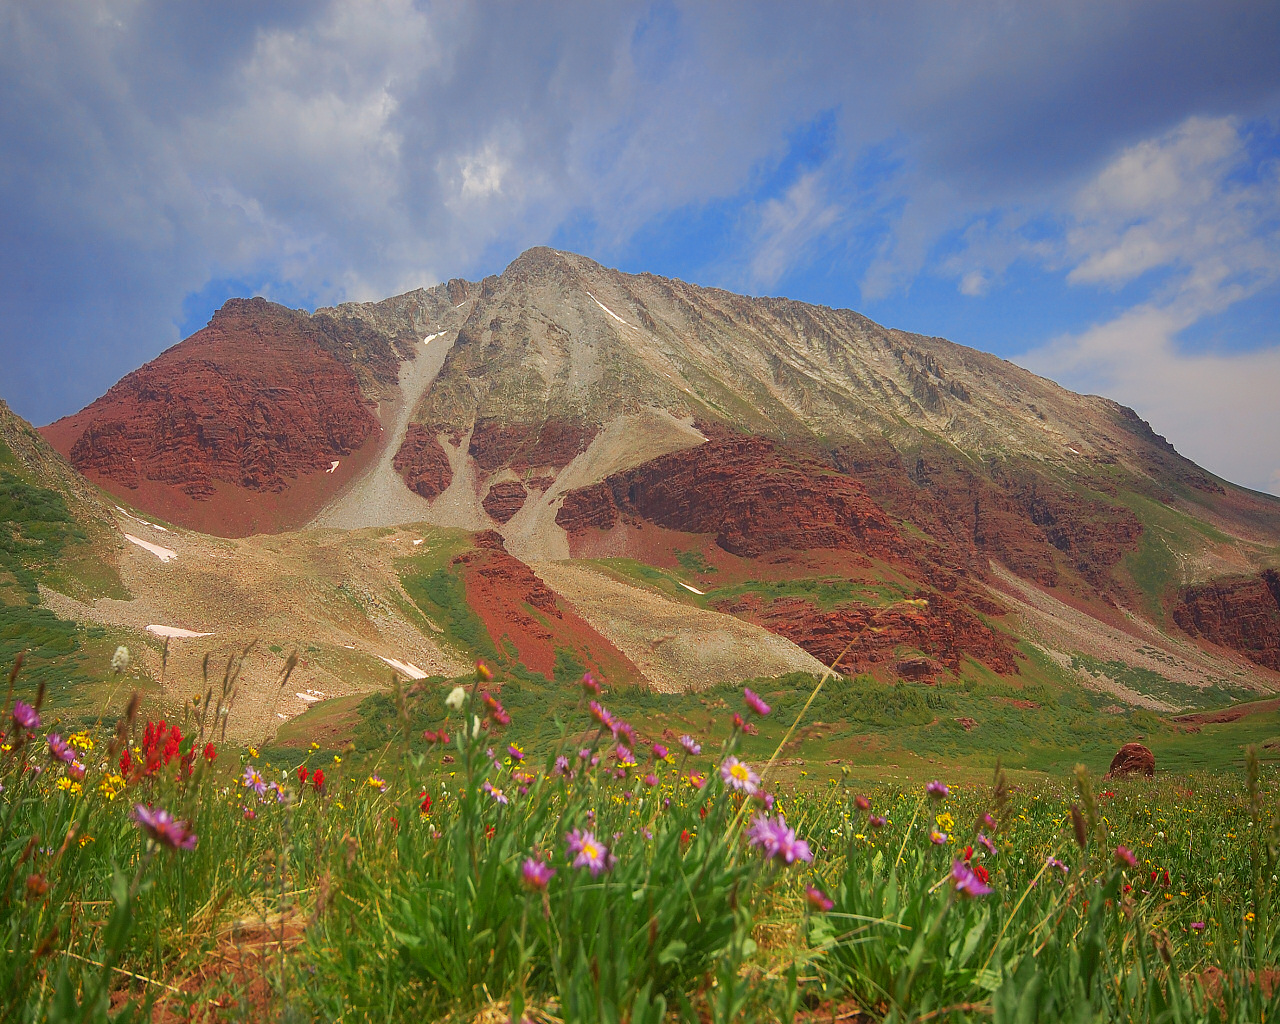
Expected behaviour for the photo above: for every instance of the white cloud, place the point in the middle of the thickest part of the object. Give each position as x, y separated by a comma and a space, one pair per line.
789, 226
1180, 204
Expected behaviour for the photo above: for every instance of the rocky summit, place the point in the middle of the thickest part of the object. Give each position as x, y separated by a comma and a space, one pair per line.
889, 503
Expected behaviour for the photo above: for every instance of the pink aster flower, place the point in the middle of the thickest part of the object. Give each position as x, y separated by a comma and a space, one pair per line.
691, 746
164, 829
495, 793
562, 766
252, 780
777, 841
588, 852
660, 752
59, 749
516, 753
861, 802
937, 790
589, 684
651, 779
624, 731
535, 874
818, 899
1197, 926
739, 776
24, 716
877, 820
624, 755
1125, 856
754, 702
75, 771
991, 847
966, 880
601, 714
937, 838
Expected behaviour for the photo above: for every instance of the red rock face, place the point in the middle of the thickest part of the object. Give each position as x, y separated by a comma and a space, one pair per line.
1242, 613
523, 446
943, 629
753, 495
253, 403
422, 462
505, 499
519, 610
1132, 759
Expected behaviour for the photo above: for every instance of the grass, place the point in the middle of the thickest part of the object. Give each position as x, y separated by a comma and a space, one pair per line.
402, 888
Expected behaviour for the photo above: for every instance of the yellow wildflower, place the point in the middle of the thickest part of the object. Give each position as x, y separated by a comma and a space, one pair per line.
111, 786
81, 740
945, 822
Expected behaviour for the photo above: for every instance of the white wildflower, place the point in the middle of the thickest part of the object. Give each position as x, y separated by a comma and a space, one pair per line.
457, 697
120, 660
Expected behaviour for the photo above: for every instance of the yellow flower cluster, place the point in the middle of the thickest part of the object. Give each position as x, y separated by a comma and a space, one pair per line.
945, 822
81, 740
111, 786
67, 786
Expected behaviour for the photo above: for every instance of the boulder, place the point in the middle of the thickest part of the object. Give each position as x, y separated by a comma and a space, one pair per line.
1132, 759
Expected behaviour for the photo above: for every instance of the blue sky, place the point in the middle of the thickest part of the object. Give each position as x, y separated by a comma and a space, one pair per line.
1090, 189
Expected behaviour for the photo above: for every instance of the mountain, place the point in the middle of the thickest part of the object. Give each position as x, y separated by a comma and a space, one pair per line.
910, 506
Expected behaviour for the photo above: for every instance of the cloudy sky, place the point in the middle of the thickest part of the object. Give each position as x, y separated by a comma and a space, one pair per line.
1090, 189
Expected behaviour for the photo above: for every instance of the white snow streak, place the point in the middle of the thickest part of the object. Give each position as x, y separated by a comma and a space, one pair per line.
333, 465
694, 590
612, 313
164, 554
175, 632
432, 337
405, 668
142, 521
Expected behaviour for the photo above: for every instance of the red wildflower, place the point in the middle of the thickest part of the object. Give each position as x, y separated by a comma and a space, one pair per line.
317, 779
210, 752
686, 837
702, 811
126, 763
982, 874
489, 831
395, 822
302, 774
968, 853
425, 806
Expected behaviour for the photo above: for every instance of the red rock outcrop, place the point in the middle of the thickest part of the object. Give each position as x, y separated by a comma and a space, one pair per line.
753, 494
521, 612
523, 446
422, 462
1132, 759
944, 629
1240, 612
505, 499
255, 402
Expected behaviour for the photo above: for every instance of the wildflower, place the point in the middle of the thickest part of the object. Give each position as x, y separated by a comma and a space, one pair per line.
646, 833
163, 829
1053, 862
754, 702
777, 841
282, 794
696, 781
691, 746
967, 881
495, 793
945, 822
738, 722
317, 778
877, 820
739, 776
623, 730
253, 751
1125, 856
938, 838
210, 753
624, 755
818, 899
561, 766
588, 852
1197, 926
589, 683
24, 716
67, 786
536, 874
303, 773
376, 782
987, 821
457, 697
516, 753
75, 771
425, 806
583, 754
686, 837
120, 660
861, 802
651, 779
981, 872
660, 752
991, 847
766, 800
80, 740
252, 780
111, 786
937, 790
58, 749
497, 713
968, 853
483, 671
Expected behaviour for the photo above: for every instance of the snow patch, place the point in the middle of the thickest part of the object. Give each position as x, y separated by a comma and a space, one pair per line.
333, 465
406, 668
175, 632
416, 543
1072, 450
611, 312
142, 521
164, 554
693, 590
432, 337
310, 697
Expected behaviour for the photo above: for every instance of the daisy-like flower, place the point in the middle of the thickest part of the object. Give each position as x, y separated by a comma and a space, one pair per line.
861, 802
75, 771
516, 753
457, 697
691, 746
966, 880
495, 793
938, 838
589, 684
483, 671
601, 714
59, 749
696, 781
588, 852
818, 899
376, 782
1125, 856
24, 715
160, 826
991, 847
739, 776
561, 767
937, 790
777, 841
536, 874
754, 702
254, 781
660, 752
1053, 862
624, 755
877, 820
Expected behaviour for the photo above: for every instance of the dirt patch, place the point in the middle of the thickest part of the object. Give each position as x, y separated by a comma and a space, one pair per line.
1234, 714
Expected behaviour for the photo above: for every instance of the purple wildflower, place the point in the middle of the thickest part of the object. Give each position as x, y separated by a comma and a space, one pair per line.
589, 683
624, 731
766, 800
739, 776
624, 755
59, 749
754, 702
24, 716
253, 780
601, 714
777, 841
583, 754
651, 779
966, 881
660, 752
991, 847
494, 792
536, 874
588, 852
516, 753
937, 838
562, 765
1053, 862
1125, 856
818, 899
937, 790
691, 746
877, 820
1197, 926
164, 829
